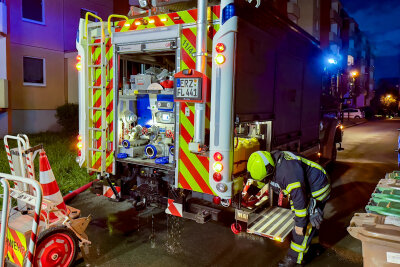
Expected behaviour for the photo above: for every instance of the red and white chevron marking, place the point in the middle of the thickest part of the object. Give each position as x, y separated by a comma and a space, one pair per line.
173, 208
107, 191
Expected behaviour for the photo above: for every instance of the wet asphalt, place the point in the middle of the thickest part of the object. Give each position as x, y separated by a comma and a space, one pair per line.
120, 237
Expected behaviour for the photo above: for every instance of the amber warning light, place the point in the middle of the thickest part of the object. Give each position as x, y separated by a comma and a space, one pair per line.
79, 63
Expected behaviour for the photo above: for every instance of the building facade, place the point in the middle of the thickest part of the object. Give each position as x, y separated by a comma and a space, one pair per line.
348, 55
40, 50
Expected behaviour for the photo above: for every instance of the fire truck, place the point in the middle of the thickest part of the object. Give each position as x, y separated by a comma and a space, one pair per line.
171, 105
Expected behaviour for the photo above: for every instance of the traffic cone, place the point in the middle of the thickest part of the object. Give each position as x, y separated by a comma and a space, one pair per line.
50, 187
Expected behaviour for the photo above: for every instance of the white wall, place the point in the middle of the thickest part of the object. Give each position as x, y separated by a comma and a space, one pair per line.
3, 58
34, 121
72, 77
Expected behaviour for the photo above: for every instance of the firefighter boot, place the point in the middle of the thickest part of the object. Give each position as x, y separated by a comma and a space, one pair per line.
288, 262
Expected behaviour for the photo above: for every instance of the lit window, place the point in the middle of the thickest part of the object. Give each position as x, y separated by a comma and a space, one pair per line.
350, 60
34, 71
33, 11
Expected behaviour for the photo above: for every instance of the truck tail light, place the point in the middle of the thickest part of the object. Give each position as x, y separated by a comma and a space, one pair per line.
218, 156
79, 145
217, 177
220, 47
217, 200
220, 59
78, 63
218, 167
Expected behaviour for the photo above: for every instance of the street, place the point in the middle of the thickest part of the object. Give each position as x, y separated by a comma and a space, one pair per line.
120, 237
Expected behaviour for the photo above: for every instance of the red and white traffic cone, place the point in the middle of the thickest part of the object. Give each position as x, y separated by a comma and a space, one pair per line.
50, 187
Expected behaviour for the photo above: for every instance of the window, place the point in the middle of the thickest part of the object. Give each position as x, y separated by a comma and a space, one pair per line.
33, 11
351, 44
34, 71
350, 60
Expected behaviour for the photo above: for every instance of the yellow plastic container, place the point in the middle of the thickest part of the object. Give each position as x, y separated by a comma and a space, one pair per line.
243, 149
238, 156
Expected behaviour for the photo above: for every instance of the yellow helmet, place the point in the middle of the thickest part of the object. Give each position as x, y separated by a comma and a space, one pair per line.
260, 165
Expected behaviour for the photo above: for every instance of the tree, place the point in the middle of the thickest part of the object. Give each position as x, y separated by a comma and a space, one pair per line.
389, 104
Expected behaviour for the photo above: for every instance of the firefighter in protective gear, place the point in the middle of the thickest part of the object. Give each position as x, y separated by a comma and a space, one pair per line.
307, 186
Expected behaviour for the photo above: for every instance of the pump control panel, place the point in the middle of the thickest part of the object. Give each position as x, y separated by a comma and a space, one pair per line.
191, 86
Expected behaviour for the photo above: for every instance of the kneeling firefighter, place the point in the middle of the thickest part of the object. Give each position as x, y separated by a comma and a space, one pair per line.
304, 182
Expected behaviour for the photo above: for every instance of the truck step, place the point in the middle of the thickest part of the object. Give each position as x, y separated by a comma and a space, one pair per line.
274, 223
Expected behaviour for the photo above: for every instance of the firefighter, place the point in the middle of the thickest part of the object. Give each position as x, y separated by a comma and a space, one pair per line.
304, 182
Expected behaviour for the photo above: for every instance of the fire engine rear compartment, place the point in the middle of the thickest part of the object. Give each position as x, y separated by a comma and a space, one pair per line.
146, 110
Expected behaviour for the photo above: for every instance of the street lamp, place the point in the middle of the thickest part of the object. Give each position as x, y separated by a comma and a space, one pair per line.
354, 74
332, 61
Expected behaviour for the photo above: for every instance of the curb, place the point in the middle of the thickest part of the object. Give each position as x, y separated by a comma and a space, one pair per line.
355, 124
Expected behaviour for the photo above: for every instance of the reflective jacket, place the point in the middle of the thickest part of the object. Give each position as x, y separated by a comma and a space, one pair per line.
300, 179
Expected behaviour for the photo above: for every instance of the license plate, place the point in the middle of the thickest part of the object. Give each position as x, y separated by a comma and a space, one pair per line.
188, 89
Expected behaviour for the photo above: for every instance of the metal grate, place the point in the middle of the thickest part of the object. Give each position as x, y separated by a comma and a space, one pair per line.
274, 223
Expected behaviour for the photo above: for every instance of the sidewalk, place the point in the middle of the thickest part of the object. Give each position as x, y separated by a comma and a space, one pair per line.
353, 122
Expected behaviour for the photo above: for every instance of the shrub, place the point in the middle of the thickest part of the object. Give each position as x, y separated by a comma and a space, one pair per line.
68, 117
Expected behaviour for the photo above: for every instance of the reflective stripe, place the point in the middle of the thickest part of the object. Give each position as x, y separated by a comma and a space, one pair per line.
300, 213
290, 156
264, 158
292, 186
321, 191
303, 247
285, 192
320, 198
312, 164
296, 247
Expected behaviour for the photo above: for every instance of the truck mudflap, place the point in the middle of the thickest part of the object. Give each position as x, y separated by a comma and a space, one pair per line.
274, 223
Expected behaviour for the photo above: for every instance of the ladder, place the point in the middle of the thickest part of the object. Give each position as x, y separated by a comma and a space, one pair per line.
96, 85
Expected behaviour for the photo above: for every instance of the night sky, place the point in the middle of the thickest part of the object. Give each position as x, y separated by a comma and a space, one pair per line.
380, 20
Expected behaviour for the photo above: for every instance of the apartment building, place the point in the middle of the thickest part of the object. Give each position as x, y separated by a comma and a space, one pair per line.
40, 51
351, 60
359, 66
3, 69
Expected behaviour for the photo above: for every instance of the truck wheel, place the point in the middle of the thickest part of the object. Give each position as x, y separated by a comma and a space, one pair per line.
56, 246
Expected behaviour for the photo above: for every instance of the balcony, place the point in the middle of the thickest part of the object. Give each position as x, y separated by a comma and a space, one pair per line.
293, 11
335, 39
3, 17
335, 17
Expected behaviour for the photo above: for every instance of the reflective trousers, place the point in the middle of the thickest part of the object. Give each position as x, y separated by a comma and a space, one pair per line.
300, 243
